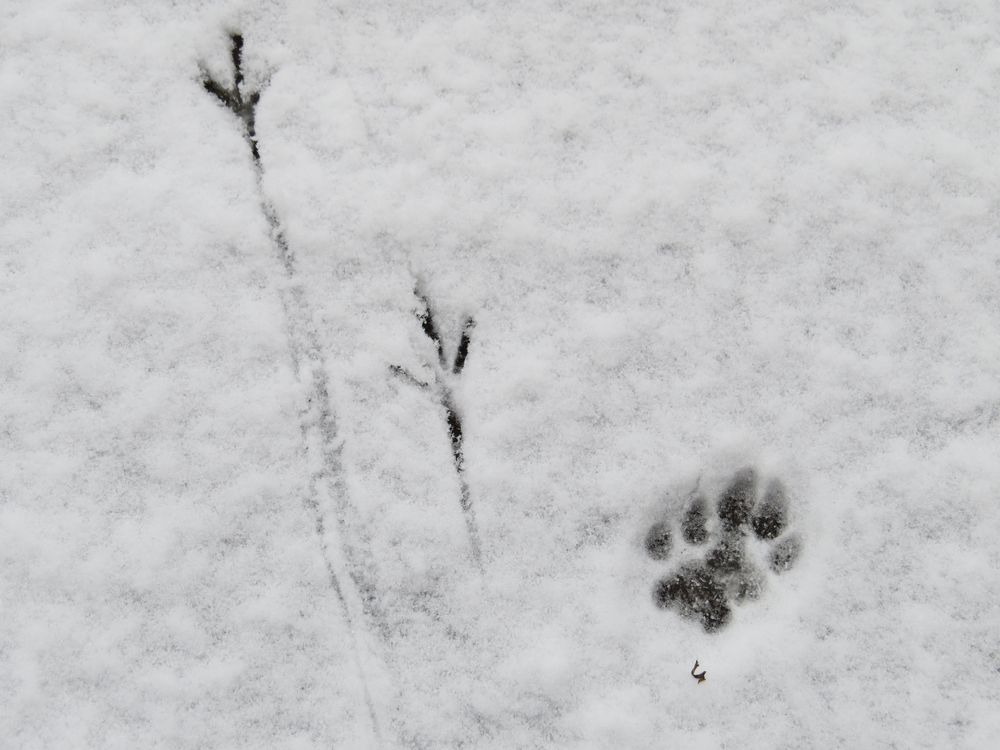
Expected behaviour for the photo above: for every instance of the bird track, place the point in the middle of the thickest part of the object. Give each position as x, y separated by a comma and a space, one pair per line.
345, 559
445, 376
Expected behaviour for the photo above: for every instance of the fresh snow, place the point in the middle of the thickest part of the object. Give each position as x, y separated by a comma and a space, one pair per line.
692, 236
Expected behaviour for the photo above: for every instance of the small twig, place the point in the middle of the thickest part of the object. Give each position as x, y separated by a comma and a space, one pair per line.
700, 676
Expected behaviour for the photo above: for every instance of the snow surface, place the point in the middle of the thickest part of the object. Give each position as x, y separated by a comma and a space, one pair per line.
693, 236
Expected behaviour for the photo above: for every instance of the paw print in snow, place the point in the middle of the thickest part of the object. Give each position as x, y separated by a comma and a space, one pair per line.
706, 589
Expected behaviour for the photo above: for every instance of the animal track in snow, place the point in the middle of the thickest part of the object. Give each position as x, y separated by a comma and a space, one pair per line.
244, 107
442, 386
706, 589
350, 571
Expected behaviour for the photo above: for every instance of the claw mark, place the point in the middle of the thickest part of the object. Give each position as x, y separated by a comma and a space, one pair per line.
700, 676
442, 388
327, 495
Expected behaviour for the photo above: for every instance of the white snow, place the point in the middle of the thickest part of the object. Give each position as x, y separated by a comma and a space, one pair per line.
692, 236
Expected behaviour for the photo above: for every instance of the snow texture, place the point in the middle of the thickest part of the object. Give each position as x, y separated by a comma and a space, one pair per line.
693, 237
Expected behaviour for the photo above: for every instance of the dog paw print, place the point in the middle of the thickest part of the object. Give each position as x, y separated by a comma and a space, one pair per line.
729, 571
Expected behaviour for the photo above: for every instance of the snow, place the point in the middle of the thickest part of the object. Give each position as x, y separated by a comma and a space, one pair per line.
692, 237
